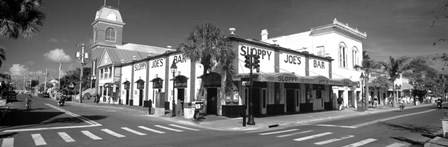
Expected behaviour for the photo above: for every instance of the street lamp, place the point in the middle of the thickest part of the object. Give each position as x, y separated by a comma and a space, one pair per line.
173, 70
82, 57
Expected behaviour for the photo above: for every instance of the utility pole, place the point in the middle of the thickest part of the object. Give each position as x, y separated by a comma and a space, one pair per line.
45, 82
82, 56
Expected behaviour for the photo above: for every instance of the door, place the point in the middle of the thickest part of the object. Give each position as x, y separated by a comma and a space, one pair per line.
290, 102
212, 94
256, 101
180, 100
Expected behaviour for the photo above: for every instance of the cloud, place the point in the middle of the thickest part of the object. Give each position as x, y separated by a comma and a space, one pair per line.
57, 55
54, 40
18, 70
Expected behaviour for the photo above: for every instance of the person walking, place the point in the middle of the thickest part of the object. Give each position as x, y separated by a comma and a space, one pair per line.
340, 101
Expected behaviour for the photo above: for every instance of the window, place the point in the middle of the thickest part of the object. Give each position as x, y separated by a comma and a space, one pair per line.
342, 55
110, 75
110, 34
355, 56
320, 51
101, 73
105, 72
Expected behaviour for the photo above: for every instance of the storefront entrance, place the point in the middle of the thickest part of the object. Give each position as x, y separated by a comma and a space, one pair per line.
212, 94
180, 98
256, 103
290, 101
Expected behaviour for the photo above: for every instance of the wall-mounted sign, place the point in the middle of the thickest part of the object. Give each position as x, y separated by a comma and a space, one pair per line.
157, 83
140, 66
126, 85
318, 64
157, 63
180, 82
248, 50
140, 84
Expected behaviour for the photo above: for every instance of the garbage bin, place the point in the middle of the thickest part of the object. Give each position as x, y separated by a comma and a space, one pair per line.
149, 107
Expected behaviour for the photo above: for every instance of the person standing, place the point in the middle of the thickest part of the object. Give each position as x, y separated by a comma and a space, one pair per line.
340, 101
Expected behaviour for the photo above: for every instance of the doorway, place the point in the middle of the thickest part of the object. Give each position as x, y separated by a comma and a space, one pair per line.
256, 102
290, 104
212, 94
180, 98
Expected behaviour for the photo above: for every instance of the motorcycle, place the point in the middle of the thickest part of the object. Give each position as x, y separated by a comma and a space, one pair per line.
61, 101
439, 105
28, 104
199, 110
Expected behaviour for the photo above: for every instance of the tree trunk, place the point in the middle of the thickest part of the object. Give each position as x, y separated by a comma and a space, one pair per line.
394, 99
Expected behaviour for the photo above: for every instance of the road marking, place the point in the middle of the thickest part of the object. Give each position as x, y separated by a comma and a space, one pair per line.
397, 144
90, 135
90, 122
312, 136
186, 128
8, 142
333, 140
286, 135
152, 130
360, 143
38, 140
66, 137
328, 125
133, 131
283, 131
389, 118
113, 133
163, 127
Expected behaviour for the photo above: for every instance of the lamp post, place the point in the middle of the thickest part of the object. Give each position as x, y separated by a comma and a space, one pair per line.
173, 70
82, 56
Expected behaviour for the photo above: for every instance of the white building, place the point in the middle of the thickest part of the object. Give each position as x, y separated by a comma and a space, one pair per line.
336, 40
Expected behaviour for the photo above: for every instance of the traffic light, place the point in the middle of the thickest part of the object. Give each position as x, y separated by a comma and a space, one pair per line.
257, 62
247, 62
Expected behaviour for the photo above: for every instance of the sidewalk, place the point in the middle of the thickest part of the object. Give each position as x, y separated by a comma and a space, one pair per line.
235, 124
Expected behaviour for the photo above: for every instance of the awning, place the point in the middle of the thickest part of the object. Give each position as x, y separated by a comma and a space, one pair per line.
292, 78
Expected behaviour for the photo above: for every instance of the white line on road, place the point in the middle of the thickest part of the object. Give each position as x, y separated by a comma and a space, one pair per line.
361, 143
163, 127
90, 135
90, 122
152, 130
66, 137
333, 140
133, 131
276, 132
389, 118
328, 125
312, 136
397, 144
186, 128
286, 135
113, 133
38, 140
8, 142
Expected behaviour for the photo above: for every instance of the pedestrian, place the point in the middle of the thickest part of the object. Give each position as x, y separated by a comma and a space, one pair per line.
340, 101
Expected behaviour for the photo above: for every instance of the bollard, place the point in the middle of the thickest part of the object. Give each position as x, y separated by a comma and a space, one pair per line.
149, 107
243, 114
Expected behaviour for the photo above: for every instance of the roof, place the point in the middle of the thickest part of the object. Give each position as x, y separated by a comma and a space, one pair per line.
109, 14
119, 56
143, 48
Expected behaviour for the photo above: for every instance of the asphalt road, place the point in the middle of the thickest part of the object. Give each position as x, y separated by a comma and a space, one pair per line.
87, 125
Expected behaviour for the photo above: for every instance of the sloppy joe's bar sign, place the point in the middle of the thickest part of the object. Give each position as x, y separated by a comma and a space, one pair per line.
248, 50
291, 78
292, 63
267, 57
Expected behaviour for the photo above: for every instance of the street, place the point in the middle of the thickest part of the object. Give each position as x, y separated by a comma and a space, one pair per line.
86, 125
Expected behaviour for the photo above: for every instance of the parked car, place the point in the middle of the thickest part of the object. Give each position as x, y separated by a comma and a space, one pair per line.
45, 95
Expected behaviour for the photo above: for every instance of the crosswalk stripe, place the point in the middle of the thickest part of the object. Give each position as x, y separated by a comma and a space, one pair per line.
66, 137
333, 140
171, 129
8, 142
113, 133
283, 131
133, 131
152, 130
286, 135
38, 139
312, 136
397, 144
187, 128
90, 135
360, 143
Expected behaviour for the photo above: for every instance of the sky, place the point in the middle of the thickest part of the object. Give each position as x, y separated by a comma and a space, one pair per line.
394, 27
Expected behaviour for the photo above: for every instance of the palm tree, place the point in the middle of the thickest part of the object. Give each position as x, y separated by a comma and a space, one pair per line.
368, 65
206, 45
394, 67
419, 75
19, 18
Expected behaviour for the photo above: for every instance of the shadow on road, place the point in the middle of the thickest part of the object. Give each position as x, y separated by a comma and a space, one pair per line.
413, 129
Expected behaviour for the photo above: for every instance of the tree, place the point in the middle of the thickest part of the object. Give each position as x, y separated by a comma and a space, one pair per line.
394, 67
368, 65
19, 18
206, 45
420, 76
72, 77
